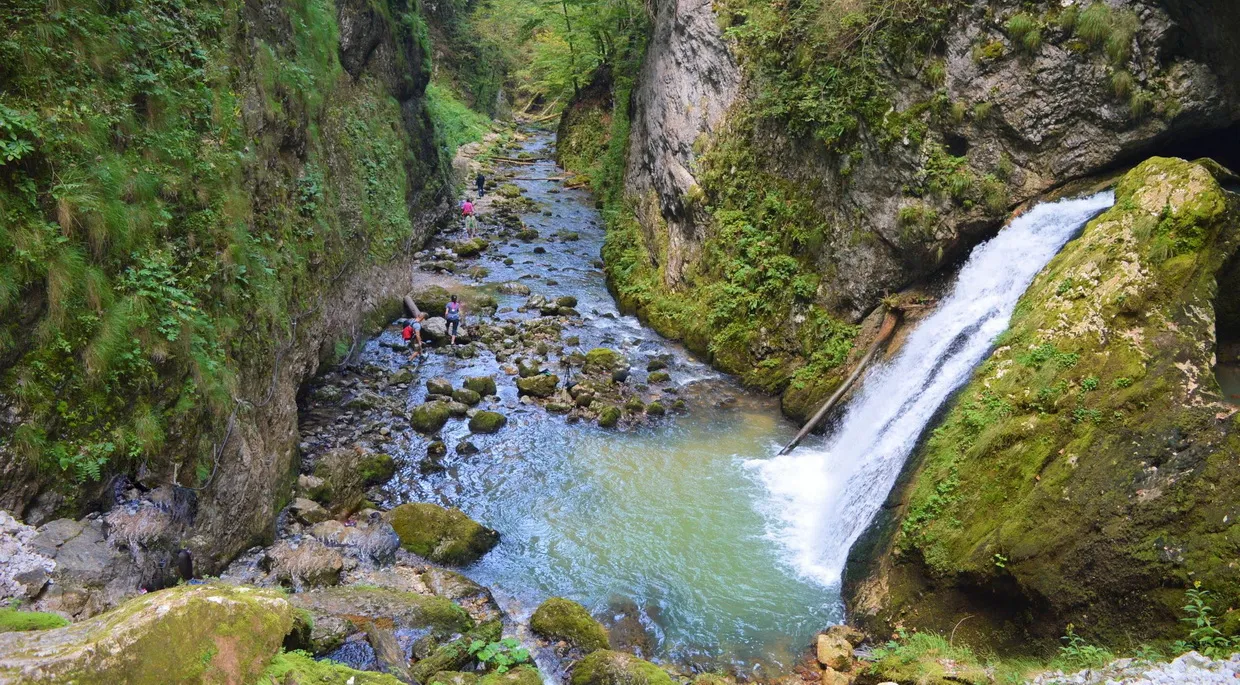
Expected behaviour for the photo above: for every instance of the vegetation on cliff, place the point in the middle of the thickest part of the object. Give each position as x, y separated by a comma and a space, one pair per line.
180, 182
1076, 478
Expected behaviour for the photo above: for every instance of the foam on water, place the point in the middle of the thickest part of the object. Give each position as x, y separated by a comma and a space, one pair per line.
823, 497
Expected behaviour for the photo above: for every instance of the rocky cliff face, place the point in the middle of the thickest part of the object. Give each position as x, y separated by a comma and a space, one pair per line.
884, 148
248, 207
1080, 477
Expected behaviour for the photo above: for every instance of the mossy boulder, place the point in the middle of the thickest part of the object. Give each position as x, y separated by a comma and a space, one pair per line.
453, 678
605, 667
466, 396
521, 675
483, 385
441, 535
455, 655
469, 248
659, 377
376, 469
343, 482
299, 668
602, 360
429, 417
1077, 476
656, 408
609, 416
542, 385
563, 619
401, 377
337, 612
432, 299
211, 633
439, 386
486, 421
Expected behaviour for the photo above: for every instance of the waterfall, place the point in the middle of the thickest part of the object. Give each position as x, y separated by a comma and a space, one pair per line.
823, 497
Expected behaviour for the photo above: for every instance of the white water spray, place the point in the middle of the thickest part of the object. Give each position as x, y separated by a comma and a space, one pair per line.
823, 498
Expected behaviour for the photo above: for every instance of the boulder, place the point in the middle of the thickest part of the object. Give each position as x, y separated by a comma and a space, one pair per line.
87, 573
830, 676
605, 667
458, 409
486, 422
521, 675
364, 400
566, 301
441, 535
312, 486
376, 469
656, 408
24, 572
656, 364
466, 448
439, 386
435, 330
307, 511
609, 416
658, 377
469, 248
483, 385
528, 370
306, 561
369, 537
602, 360
543, 385
563, 619
429, 417
455, 655
453, 678
403, 610
514, 288
298, 668
834, 651
211, 633
466, 396
343, 481
401, 377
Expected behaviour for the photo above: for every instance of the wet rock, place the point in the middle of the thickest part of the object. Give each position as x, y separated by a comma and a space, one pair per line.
90, 574
295, 668
328, 394
602, 360
659, 377
312, 486
521, 675
401, 377
306, 561
453, 678
625, 630
469, 248
364, 400
656, 364
634, 405
487, 422
455, 655
833, 651
376, 469
605, 667
435, 330
367, 538
584, 399
182, 634
307, 511
458, 409
609, 416
527, 234
535, 302
563, 619
527, 369
343, 480
389, 654
655, 409
538, 386
513, 287
439, 386
441, 535
540, 250
466, 448
620, 374
337, 611
466, 396
566, 301
830, 676
558, 408
429, 417
437, 448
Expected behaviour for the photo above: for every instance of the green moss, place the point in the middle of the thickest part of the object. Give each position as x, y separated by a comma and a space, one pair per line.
539, 385
602, 359
376, 469
442, 535
609, 416
429, 417
483, 385
466, 396
563, 619
407, 609
1040, 458
455, 655
521, 675
605, 667
300, 667
486, 422
13, 620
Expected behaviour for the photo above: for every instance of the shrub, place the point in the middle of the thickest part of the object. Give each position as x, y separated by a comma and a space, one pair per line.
1093, 25
1025, 32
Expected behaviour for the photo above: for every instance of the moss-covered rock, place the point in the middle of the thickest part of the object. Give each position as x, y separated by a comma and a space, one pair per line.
605, 667
466, 396
453, 678
210, 633
13, 620
343, 480
656, 408
486, 422
521, 675
299, 668
542, 385
469, 248
1077, 477
336, 611
455, 655
439, 386
483, 385
563, 619
609, 416
602, 359
376, 469
442, 535
429, 417
659, 377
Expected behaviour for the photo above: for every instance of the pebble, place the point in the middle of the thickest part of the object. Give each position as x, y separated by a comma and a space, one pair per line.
1187, 668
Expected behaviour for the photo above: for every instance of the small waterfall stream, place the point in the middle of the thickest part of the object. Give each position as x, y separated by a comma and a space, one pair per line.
823, 498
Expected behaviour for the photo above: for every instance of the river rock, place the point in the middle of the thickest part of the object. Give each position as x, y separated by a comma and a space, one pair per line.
609, 416
563, 619
486, 422
605, 667
441, 535
344, 477
466, 396
90, 574
521, 675
656, 364
566, 301
458, 409
439, 386
455, 655
466, 448
364, 400
453, 678
655, 408
483, 385
401, 377
830, 676
514, 288
369, 537
429, 417
833, 651
543, 385
305, 561
307, 511
659, 377
469, 248
602, 360
191, 633
435, 330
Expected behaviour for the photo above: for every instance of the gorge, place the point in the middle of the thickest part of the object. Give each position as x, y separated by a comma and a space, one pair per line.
211, 215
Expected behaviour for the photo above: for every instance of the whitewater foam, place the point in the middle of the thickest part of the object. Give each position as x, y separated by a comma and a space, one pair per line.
823, 497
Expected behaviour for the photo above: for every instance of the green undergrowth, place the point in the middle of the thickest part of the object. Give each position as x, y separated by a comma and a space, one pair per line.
301, 667
457, 124
171, 207
12, 620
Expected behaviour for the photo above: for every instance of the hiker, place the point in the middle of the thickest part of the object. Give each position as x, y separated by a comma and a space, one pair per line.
453, 313
471, 223
413, 335
481, 182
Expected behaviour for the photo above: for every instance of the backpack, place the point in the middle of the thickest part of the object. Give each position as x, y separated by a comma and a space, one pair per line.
407, 333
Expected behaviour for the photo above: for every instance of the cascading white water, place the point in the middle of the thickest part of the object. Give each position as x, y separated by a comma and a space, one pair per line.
823, 498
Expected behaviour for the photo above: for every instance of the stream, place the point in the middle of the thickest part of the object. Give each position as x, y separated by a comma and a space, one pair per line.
686, 535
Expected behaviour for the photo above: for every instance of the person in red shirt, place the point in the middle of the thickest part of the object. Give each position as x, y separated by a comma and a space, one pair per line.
471, 221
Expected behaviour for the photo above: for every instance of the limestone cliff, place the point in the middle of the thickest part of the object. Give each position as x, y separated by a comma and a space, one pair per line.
805, 159
1085, 474
201, 202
